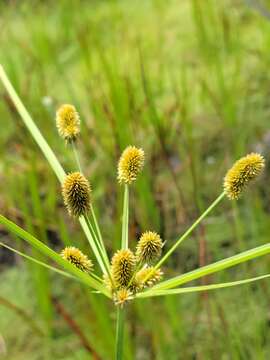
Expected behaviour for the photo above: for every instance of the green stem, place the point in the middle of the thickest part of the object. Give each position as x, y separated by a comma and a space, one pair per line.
124, 244
98, 246
95, 232
119, 333
76, 156
98, 232
189, 230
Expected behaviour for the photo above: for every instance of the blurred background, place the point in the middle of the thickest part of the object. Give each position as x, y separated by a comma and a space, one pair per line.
188, 81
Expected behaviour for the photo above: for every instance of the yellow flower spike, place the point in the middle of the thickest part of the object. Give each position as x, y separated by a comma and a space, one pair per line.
242, 172
122, 296
76, 193
149, 247
143, 280
68, 122
122, 267
155, 276
77, 258
130, 164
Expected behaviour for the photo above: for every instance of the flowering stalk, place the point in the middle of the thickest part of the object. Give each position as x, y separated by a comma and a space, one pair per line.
96, 234
190, 229
124, 243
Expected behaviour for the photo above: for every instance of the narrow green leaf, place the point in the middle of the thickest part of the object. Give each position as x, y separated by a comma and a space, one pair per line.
30, 258
45, 250
215, 267
184, 290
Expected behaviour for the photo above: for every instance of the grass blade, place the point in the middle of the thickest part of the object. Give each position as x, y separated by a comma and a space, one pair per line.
200, 288
30, 258
45, 250
215, 267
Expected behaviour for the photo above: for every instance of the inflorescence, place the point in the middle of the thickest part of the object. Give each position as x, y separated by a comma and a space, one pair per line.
76, 193
77, 258
130, 164
242, 172
68, 122
129, 272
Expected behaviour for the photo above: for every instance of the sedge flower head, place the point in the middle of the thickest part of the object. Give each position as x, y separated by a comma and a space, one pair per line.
122, 267
149, 247
146, 277
130, 164
242, 172
76, 193
122, 296
77, 258
68, 122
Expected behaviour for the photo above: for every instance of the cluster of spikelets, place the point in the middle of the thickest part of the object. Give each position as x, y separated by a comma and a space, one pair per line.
131, 272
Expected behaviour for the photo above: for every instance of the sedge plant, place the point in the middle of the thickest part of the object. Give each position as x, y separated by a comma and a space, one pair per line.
131, 274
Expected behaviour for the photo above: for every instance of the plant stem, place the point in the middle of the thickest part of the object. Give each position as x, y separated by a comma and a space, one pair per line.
76, 156
96, 233
120, 310
190, 229
119, 333
103, 257
124, 244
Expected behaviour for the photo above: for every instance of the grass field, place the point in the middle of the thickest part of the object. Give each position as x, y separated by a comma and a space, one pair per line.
189, 82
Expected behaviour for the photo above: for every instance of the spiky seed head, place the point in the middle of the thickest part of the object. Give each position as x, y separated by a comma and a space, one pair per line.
149, 247
122, 296
68, 122
77, 258
130, 164
242, 172
148, 276
76, 193
122, 267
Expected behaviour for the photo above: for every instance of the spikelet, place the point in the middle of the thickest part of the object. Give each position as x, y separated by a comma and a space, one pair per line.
122, 267
77, 258
149, 247
242, 172
130, 164
76, 193
122, 296
146, 277
68, 122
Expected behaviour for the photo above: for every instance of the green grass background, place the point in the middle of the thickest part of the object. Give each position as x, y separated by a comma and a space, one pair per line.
189, 82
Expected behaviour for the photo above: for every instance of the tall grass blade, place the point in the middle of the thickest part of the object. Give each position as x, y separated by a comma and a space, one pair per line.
45, 250
215, 267
201, 288
41, 263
